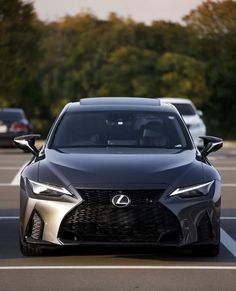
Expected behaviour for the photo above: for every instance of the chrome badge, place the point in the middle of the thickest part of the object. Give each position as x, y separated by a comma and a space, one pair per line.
121, 200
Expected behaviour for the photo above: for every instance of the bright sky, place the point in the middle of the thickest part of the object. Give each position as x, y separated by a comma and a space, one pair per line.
139, 10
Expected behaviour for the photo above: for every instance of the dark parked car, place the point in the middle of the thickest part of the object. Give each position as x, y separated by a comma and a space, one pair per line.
12, 123
120, 171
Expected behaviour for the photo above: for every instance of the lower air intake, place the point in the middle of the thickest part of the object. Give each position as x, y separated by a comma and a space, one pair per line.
36, 227
204, 228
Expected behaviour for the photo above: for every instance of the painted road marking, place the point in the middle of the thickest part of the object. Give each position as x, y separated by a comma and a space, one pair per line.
12, 161
16, 180
177, 267
226, 168
228, 242
9, 168
9, 217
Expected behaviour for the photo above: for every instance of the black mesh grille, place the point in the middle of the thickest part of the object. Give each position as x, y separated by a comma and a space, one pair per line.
98, 220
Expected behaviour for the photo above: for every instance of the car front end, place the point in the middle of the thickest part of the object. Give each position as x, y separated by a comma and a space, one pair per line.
131, 176
177, 213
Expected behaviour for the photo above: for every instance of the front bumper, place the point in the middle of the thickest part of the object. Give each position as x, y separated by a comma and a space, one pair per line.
151, 218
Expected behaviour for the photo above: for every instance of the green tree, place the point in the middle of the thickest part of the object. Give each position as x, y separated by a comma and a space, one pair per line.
170, 37
129, 71
213, 18
182, 76
214, 24
18, 51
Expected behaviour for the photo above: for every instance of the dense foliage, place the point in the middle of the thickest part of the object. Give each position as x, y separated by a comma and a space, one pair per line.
45, 65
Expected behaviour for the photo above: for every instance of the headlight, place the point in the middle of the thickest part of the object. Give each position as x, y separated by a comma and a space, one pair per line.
48, 190
193, 191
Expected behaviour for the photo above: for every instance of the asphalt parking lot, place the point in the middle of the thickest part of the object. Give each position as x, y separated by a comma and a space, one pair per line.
96, 268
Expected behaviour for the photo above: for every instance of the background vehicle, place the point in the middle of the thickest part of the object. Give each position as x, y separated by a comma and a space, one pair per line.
191, 116
12, 123
119, 171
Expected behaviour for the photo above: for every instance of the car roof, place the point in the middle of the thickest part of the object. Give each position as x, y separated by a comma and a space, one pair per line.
120, 103
175, 100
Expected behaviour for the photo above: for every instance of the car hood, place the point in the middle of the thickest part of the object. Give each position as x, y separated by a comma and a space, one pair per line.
107, 167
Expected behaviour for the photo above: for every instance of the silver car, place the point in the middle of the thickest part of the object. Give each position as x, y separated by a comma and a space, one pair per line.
191, 116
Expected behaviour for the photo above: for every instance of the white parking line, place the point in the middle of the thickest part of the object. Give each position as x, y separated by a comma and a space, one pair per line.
13, 161
16, 180
177, 267
226, 168
228, 242
9, 168
8, 217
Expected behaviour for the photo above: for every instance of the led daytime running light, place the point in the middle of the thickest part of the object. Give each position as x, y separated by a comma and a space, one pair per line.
192, 188
39, 188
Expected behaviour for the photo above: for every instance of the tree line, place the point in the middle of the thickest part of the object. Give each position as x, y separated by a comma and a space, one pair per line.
44, 65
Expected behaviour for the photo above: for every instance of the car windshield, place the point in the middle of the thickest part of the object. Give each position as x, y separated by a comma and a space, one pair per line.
185, 109
10, 115
121, 129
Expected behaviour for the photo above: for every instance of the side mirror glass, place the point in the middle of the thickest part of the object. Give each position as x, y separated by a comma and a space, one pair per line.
211, 144
27, 143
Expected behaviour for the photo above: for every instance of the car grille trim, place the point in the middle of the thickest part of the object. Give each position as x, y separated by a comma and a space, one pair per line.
96, 219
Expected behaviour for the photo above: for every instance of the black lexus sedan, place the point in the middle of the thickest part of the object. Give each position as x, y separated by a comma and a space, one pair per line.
119, 171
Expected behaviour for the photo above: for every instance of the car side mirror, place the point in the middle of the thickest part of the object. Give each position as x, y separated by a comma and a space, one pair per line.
211, 144
27, 143
200, 113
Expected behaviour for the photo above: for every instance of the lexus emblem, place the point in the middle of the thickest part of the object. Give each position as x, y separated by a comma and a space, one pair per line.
121, 200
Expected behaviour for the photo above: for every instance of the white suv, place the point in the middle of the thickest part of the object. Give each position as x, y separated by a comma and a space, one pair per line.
191, 116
